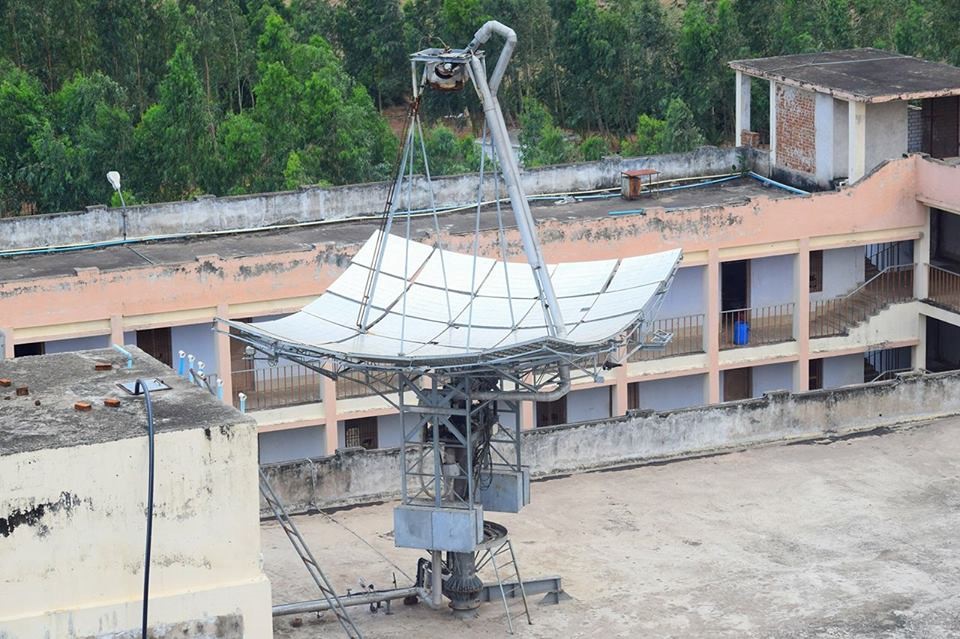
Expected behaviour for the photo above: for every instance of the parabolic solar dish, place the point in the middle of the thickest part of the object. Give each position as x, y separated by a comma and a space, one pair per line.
453, 310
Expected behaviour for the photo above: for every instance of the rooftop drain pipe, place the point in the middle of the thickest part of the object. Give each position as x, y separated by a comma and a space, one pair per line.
125, 353
243, 402
182, 364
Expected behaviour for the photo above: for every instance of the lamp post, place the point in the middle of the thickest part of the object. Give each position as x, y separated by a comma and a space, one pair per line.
113, 177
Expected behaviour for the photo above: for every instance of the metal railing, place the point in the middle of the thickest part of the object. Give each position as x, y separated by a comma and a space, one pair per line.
687, 332
348, 388
277, 386
943, 288
837, 315
756, 326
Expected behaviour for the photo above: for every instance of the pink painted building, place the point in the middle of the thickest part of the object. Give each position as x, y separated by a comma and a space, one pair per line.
778, 290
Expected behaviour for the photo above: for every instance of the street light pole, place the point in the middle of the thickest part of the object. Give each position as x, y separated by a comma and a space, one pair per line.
113, 177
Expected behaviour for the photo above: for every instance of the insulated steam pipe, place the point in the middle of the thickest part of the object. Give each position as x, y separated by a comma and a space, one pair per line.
509, 35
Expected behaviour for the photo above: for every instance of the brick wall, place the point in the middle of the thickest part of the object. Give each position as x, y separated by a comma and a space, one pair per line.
796, 140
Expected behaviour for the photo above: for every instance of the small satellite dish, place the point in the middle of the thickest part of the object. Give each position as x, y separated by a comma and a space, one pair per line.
113, 177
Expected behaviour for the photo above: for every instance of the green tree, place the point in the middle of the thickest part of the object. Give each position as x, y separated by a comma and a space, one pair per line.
370, 33
449, 154
542, 143
22, 114
680, 133
89, 133
173, 141
649, 137
594, 148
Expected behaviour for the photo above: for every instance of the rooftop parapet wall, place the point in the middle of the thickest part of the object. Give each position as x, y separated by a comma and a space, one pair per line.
209, 213
356, 476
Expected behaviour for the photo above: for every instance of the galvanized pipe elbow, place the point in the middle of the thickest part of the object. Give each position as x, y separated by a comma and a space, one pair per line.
509, 35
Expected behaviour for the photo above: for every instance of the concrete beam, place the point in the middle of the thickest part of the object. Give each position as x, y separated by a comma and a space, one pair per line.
743, 106
773, 124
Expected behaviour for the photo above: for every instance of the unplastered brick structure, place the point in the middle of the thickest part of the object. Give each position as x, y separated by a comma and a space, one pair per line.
796, 142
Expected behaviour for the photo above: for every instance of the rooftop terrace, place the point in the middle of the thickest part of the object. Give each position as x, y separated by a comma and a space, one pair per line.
353, 232
850, 538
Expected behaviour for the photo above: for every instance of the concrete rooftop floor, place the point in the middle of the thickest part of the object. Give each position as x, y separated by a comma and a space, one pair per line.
846, 539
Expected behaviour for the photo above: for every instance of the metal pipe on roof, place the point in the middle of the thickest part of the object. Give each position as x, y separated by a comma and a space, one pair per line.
358, 599
509, 35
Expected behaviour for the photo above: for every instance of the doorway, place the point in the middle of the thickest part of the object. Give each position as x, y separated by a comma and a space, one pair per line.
552, 413
157, 343
360, 433
735, 285
737, 384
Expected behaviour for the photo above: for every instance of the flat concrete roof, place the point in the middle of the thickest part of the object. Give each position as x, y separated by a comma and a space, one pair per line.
854, 538
46, 417
858, 75
355, 232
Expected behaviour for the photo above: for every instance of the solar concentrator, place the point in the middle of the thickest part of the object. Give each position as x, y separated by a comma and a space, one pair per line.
457, 341
473, 312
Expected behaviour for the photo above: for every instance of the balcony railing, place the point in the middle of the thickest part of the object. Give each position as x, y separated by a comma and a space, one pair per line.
756, 326
944, 288
687, 338
367, 387
837, 315
277, 386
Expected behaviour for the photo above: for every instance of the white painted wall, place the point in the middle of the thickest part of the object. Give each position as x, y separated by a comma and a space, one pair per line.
673, 393
83, 576
389, 431
823, 123
842, 272
687, 294
76, 344
841, 129
587, 404
886, 132
771, 280
198, 340
772, 377
292, 443
842, 370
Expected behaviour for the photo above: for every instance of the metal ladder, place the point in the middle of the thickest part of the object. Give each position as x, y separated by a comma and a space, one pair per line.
307, 558
509, 584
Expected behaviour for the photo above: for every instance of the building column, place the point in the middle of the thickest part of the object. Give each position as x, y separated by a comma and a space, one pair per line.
526, 416
221, 349
743, 106
921, 257
6, 343
823, 138
711, 328
857, 140
620, 392
331, 432
116, 330
773, 124
801, 317
919, 354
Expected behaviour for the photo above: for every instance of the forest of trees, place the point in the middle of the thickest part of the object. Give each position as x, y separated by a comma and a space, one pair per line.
186, 97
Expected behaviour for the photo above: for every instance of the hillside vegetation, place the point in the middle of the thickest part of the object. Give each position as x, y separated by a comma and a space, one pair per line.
186, 97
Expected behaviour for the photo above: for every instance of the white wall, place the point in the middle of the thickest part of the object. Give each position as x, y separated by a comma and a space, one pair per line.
687, 294
842, 272
591, 403
772, 377
76, 344
841, 129
389, 431
293, 443
843, 370
672, 393
886, 132
197, 339
771, 280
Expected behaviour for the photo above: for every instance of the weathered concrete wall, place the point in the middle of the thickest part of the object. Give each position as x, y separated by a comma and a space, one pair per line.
209, 213
354, 477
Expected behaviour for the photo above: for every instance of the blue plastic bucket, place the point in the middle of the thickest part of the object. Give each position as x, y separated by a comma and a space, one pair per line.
741, 332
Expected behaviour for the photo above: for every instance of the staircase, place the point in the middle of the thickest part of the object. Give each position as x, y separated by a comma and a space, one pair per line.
837, 316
